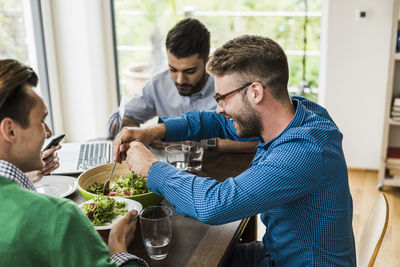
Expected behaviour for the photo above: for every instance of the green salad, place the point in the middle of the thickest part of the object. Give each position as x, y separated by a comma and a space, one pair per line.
103, 210
128, 185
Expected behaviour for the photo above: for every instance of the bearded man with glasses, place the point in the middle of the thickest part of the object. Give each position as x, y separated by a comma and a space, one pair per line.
297, 181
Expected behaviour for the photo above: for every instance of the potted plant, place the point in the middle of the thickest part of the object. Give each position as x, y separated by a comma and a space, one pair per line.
138, 73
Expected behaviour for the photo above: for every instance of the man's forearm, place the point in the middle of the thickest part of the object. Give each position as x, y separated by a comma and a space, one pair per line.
116, 127
158, 131
126, 121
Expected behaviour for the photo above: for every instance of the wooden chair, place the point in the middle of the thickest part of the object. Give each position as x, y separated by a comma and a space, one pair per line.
373, 232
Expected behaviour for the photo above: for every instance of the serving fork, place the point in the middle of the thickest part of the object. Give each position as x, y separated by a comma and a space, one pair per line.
106, 187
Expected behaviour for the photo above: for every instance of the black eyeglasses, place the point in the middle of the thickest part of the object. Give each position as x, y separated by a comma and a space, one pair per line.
218, 97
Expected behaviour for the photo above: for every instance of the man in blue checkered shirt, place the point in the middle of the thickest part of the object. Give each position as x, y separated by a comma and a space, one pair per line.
298, 178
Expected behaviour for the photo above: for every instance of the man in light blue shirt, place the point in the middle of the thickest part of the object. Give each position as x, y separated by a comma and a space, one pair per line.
297, 181
184, 87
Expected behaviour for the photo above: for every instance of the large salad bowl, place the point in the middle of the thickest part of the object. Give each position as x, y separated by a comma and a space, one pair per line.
100, 174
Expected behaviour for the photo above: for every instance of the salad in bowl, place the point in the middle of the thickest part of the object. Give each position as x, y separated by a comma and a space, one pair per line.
123, 183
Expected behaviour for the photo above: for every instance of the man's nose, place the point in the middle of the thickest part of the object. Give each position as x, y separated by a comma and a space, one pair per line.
180, 79
48, 131
220, 109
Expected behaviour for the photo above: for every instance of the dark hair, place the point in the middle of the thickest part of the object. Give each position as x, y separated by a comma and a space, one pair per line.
188, 37
253, 58
15, 101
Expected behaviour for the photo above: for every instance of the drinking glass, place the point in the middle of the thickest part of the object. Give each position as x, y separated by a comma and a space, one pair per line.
156, 228
178, 155
196, 152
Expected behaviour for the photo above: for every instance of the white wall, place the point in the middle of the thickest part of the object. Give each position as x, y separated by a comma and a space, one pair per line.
353, 74
81, 66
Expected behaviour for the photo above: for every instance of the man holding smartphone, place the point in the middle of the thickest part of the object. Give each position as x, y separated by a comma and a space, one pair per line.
27, 218
50, 159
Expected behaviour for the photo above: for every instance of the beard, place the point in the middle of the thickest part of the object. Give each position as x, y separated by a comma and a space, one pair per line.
187, 89
247, 121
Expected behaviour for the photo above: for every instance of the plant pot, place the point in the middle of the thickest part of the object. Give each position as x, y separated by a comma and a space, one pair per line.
136, 76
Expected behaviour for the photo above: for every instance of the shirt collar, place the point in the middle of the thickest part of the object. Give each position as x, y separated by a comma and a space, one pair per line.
206, 90
9, 171
296, 121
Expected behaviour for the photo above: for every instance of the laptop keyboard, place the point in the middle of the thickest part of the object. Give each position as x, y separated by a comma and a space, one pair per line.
93, 154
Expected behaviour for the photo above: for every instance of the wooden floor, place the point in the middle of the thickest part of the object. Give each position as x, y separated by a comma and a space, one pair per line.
363, 189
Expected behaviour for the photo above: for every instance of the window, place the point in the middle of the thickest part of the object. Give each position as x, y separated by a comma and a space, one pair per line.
137, 22
21, 38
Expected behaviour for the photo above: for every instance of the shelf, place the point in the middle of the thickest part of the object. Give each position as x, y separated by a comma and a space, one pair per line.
394, 122
389, 169
391, 182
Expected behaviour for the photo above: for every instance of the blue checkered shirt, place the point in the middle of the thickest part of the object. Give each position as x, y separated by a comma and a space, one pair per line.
8, 170
297, 182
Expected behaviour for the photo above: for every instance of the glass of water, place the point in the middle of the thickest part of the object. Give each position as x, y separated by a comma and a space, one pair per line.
178, 155
156, 227
196, 152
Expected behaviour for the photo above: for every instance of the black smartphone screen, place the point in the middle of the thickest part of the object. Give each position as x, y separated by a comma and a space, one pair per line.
55, 141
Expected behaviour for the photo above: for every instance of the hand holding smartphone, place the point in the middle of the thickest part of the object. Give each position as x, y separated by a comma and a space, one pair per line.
54, 142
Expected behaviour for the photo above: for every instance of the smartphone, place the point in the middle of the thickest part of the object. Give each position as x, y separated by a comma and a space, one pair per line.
55, 141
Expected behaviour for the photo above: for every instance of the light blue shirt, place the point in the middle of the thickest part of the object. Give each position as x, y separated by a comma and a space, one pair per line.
160, 97
297, 182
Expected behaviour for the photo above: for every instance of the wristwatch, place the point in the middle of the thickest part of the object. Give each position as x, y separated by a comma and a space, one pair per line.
211, 144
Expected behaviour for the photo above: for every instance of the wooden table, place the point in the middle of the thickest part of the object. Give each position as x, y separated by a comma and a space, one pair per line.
194, 243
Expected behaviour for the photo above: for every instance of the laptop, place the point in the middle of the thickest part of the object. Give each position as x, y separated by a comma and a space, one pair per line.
78, 157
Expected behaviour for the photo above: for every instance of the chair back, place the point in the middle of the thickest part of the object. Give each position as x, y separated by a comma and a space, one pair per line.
373, 232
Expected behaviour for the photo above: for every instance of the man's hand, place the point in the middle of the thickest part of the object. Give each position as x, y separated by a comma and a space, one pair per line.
51, 162
129, 134
122, 233
140, 159
126, 121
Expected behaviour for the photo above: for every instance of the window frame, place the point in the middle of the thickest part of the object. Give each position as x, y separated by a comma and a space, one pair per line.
187, 12
115, 50
40, 56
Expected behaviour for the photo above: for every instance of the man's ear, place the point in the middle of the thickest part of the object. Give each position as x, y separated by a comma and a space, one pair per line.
7, 129
257, 92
